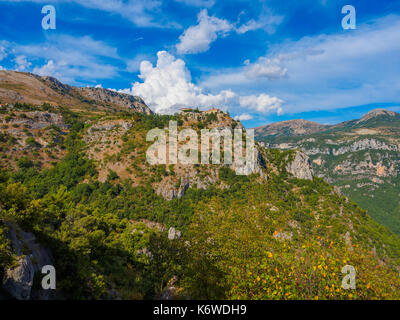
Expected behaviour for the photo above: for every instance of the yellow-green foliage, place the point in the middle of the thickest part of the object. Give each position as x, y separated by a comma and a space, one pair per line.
235, 253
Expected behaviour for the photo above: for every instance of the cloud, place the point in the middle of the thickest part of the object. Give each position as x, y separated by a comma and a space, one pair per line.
168, 86
68, 58
266, 21
22, 64
49, 69
327, 71
268, 68
141, 12
198, 3
244, 117
133, 65
3, 52
262, 103
274, 67
198, 38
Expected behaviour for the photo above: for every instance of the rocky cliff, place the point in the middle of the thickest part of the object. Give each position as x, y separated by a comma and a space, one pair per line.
20, 87
300, 167
31, 257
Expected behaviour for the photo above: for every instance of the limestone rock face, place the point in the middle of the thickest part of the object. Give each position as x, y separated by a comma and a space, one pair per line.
185, 184
300, 167
18, 281
283, 236
40, 120
167, 190
121, 99
174, 234
259, 164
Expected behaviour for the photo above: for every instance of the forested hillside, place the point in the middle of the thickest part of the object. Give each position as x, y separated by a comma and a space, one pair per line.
77, 191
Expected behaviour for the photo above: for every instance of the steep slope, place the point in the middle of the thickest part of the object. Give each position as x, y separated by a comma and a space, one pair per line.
361, 157
19, 87
119, 227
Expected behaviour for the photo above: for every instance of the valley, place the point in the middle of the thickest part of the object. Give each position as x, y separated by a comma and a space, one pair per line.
360, 157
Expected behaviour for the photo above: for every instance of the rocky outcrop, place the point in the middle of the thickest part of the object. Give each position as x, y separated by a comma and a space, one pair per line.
170, 189
174, 234
300, 167
18, 280
185, 184
170, 291
283, 236
259, 164
146, 252
167, 189
359, 145
365, 144
117, 98
40, 120
111, 125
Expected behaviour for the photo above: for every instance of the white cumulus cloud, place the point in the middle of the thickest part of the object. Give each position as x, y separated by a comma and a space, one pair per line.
244, 117
168, 86
49, 69
262, 103
198, 38
22, 63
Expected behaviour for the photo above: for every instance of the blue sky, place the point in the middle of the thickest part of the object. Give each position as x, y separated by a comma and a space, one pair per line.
262, 61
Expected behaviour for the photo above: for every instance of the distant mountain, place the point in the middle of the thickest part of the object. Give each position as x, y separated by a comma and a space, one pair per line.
361, 157
379, 113
290, 128
20, 87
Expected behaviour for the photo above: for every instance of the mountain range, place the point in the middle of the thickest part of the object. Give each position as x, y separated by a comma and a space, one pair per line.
77, 193
20, 87
361, 157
